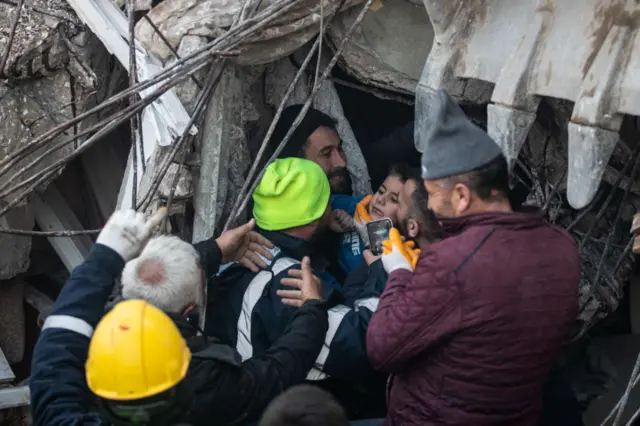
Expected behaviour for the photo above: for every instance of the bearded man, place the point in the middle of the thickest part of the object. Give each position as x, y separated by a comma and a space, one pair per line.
470, 328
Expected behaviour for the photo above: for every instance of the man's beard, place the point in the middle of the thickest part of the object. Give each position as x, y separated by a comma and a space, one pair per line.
341, 186
322, 230
402, 226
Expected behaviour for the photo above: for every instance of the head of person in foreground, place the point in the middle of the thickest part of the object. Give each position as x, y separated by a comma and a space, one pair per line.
168, 275
293, 197
137, 365
304, 405
464, 170
168, 272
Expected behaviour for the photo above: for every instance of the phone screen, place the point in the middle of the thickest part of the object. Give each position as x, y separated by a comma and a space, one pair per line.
378, 231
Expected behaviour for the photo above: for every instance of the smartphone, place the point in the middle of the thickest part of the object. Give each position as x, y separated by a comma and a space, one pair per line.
378, 231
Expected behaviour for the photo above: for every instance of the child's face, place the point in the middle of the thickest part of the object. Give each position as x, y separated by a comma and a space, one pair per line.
384, 202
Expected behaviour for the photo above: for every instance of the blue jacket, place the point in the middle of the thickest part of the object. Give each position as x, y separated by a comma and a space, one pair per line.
224, 388
351, 245
245, 312
59, 392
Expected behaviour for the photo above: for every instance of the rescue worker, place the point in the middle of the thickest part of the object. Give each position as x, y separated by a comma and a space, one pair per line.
317, 139
138, 364
470, 332
291, 208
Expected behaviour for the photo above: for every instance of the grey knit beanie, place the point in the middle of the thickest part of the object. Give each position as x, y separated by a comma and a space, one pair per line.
453, 144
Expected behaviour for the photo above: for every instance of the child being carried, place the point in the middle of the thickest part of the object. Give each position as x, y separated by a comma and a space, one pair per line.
352, 213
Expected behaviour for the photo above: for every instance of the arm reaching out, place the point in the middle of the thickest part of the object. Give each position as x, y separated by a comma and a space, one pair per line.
231, 393
59, 392
241, 244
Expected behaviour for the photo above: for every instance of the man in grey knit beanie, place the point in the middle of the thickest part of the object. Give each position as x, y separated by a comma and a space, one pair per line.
463, 168
470, 329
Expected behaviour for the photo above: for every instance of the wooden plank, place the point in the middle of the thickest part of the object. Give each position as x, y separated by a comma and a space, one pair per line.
14, 397
6, 374
52, 213
40, 302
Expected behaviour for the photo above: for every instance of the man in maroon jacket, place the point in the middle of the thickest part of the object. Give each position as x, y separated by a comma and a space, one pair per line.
470, 336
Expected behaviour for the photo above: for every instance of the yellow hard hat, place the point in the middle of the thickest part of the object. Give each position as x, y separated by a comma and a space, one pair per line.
136, 352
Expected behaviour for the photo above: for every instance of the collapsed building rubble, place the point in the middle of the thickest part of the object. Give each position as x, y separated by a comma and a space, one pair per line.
211, 75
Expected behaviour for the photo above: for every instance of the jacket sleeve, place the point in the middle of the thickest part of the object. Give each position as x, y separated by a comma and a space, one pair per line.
417, 311
347, 203
59, 393
210, 256
344, 352
364, 281
229, 393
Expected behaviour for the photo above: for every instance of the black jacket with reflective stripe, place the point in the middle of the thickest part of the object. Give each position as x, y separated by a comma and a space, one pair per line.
225, 390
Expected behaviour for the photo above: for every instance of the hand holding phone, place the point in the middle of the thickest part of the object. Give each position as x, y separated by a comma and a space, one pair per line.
378, 231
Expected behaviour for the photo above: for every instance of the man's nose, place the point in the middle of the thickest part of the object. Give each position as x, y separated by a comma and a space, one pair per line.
338, 160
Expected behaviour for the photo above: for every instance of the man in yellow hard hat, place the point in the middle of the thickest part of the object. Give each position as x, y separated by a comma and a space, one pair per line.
137, 362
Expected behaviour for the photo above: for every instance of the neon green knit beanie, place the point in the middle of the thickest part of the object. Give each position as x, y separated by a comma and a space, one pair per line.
293, 192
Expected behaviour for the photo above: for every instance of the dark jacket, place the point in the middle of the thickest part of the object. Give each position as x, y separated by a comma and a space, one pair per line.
245, 312
471, 335
224, 388
228, 390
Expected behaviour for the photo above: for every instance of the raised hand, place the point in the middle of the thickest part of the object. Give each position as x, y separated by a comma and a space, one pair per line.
244, 245
309, 287
127, 232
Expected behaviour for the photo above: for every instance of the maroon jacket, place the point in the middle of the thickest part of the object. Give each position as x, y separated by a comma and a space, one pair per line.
471, 335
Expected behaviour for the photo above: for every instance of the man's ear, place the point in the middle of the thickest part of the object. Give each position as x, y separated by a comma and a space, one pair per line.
460, 198
413, 229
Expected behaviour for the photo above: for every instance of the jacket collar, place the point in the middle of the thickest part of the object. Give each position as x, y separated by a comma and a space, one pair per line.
529, 218
187, 325
297, 248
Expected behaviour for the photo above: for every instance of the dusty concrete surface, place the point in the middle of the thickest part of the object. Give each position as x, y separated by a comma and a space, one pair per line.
15, 250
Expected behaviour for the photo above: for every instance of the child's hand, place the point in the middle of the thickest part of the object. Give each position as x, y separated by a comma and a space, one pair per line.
341, 222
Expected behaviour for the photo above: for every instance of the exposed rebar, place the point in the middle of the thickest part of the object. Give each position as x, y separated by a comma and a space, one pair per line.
234, 214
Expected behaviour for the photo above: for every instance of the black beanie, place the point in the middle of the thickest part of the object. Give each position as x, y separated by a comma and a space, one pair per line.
311, 121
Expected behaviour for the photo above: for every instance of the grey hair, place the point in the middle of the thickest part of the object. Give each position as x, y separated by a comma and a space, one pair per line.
180, 279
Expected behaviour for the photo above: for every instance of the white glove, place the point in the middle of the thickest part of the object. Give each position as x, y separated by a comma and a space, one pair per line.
396, 254
361, 218
127, 232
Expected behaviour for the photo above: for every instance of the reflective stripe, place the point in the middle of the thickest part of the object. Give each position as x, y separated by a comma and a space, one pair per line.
370, 303
70, 323
336, 315
315, 374
252, 294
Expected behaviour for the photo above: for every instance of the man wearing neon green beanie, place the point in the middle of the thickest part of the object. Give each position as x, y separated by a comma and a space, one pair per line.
291, 208
293, 195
